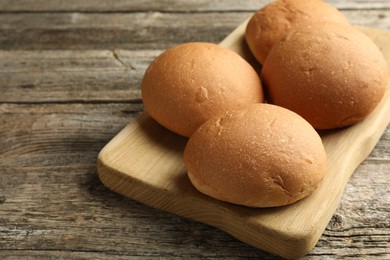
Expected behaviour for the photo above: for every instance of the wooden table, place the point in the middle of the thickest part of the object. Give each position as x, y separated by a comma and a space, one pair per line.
70, 75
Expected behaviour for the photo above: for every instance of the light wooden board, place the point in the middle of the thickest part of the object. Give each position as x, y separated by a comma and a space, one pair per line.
144, 162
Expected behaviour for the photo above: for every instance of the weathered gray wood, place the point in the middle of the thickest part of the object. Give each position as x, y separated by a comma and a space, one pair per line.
52, 203
48, 160
167, 6
125, 6
70, 76
139, 30
61, 105
113, 31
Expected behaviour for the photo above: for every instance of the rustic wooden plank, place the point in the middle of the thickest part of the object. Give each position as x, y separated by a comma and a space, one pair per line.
112, 31
72, 76
139, 30
48, 165
29, 133
52, 204
360, 214
166, 6
126, 6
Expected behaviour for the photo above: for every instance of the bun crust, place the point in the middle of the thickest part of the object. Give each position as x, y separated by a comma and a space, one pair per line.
262, 156
190, 83
331, 75
271, 23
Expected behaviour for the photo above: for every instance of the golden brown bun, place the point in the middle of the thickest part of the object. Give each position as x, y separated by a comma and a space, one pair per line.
190, 83
330, 74
271, 23
262, 156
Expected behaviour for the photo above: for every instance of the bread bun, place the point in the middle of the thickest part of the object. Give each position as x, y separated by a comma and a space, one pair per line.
262, 156
271, 23
189, 83
332, 75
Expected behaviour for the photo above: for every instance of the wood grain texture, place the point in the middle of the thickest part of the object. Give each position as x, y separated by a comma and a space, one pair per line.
72, 76
64, 96
158, 30
166, 6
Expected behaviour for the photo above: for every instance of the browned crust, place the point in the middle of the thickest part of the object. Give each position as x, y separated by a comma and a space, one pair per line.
189, 83
263, 156
271, 23
332, 75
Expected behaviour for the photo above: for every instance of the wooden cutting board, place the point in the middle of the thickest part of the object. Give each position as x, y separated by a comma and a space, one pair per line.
144, 163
